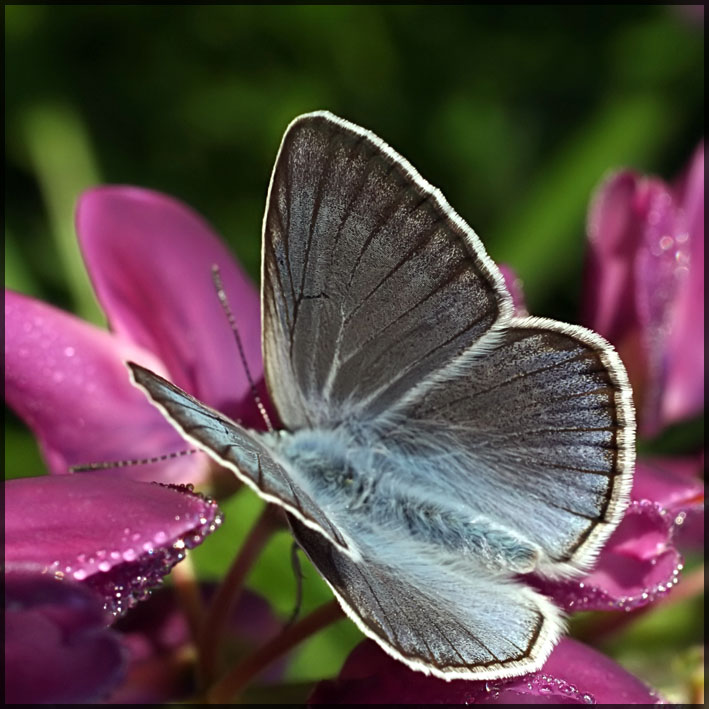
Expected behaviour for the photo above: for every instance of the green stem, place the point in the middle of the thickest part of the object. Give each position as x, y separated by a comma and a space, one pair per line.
189, 596
228, 688
210, 639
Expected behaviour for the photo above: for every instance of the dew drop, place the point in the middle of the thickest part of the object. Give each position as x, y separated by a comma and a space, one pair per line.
666, 242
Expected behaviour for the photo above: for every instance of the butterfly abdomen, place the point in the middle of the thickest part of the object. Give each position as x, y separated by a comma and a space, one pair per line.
371, 486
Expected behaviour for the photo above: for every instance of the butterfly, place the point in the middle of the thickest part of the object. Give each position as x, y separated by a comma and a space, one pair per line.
436, 448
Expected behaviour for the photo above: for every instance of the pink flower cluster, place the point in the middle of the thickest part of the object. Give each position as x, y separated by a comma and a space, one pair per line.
82, 548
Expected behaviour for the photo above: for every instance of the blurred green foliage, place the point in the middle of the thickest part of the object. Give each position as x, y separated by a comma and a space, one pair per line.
514, 112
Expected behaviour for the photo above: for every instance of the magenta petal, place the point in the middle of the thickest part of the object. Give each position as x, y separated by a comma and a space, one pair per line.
671, 482
644, 288
150, 258
156, 632
573, 674
660, 269
58, 649
674, 484
514, 286
118, 536
68, 380
638, 564
684, 361
598, 677
614, 236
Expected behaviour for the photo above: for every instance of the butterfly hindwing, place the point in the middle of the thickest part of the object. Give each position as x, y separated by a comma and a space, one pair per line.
544, 428
451, 622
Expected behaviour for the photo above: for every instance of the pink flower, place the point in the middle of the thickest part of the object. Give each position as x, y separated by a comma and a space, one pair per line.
158, 645
674, 483
150, 260
79, 550
57, 646
573, 674
117, 536
645, 285
638, 564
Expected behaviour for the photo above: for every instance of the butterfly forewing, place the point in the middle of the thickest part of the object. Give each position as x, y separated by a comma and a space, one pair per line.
370, 280
235, 448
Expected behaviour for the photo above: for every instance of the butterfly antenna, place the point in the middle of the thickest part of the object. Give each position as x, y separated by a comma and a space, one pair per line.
126, 463
298, 573
221, 294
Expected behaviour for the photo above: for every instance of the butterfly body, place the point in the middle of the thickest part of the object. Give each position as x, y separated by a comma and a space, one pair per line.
436, 447
374, 487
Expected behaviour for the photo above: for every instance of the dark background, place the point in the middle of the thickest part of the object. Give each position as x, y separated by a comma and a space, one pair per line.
514, 112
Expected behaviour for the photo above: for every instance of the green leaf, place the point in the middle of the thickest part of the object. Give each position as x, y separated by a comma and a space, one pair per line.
543, 237
62, 158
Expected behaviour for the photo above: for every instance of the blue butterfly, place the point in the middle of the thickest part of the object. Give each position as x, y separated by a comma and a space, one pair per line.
436, 447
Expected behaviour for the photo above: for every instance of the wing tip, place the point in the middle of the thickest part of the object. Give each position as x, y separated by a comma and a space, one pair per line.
141, 376
136, 370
